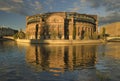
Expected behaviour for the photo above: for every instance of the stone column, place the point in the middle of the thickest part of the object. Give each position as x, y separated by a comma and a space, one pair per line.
77, 31
63, 29
91, 31
71, 24
63, 37
80, 32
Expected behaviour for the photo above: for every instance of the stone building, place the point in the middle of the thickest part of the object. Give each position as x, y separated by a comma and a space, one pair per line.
60, 25
4, 31
112, 29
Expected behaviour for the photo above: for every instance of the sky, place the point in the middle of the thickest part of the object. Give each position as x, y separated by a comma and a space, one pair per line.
13, 12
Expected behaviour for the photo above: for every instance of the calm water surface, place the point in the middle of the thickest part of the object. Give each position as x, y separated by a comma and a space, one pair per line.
25, 62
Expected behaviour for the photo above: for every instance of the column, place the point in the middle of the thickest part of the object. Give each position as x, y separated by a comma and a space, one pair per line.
63, 32
91, 31
71, 24
77, 31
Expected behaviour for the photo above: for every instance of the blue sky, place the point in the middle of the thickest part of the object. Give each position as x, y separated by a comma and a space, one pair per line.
13, 12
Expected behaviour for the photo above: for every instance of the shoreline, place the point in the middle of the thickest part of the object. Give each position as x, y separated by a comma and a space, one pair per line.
6, 39
37, 41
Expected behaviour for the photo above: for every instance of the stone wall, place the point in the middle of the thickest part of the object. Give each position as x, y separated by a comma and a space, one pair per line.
60, 25
112, 29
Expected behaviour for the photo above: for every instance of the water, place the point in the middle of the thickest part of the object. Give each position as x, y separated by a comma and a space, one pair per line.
25, 62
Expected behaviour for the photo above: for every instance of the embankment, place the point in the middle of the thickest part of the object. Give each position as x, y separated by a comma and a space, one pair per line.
34, 41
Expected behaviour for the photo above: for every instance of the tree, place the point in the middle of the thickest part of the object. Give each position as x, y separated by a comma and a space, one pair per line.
15, 36
87, 35
53, 34
95, 36
103, 31
103, 35
20, 35
60, 34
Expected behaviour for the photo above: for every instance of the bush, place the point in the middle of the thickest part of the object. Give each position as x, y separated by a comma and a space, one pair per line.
95, 36
86, 36
20, 35
15, 36
53, 35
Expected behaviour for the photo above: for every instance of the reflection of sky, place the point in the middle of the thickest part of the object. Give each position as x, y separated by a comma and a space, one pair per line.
109, 60
113, 50
58, 63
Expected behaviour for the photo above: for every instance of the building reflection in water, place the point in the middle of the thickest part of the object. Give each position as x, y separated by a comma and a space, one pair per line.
61, 58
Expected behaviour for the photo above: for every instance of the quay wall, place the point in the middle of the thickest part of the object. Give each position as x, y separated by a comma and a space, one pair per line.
34, 41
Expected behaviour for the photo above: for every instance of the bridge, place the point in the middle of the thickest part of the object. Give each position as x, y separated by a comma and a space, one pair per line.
115, 39
8, 37
7, 33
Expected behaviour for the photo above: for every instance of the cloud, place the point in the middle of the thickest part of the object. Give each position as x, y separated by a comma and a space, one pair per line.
111, 8
18, 1
49, 4
26, 7
112, 17
75, 8
5, 9
109, 5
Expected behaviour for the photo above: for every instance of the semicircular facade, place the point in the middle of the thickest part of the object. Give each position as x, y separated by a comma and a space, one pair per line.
61, 25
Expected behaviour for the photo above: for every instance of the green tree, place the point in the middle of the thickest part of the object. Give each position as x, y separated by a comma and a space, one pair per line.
15, 36
53, 34
103, 32
20, 35
94, 36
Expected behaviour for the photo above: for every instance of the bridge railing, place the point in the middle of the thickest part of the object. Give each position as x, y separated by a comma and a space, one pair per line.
8, 37
110, 38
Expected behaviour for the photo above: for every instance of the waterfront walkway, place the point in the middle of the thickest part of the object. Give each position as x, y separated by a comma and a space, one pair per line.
113, 39
34, 41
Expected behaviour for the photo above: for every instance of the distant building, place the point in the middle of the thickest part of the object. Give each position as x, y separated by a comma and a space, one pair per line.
60, 25
112, 29
4, 31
